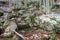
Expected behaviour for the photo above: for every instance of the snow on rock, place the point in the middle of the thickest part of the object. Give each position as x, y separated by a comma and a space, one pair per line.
46, 21
47, 17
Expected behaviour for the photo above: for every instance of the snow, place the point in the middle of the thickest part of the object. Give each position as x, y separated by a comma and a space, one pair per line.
47, 17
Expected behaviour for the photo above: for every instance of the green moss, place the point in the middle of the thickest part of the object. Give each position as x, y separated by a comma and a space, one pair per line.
32, 19
53, 18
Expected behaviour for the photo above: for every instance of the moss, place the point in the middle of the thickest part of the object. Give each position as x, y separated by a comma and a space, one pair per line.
32, 19
53, 18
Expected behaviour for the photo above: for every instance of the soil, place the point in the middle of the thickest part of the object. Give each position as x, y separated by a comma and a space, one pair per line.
58, 36
5, 38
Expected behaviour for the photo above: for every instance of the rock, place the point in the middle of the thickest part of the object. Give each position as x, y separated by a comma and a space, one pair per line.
8, 31
1, 30
3, 17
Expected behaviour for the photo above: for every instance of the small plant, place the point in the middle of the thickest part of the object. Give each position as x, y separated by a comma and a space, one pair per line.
53, 35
